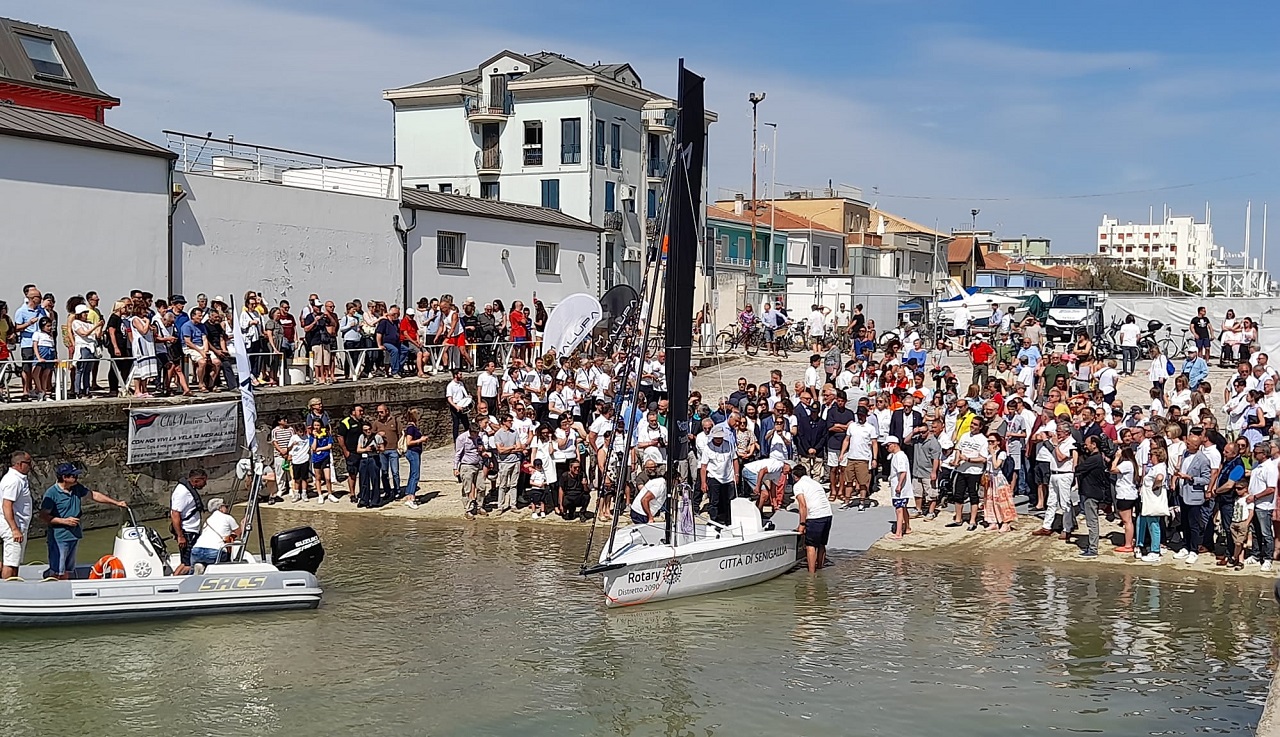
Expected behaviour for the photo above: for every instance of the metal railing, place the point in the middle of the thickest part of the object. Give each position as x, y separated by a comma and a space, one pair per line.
231, 159
613, 221
489, 159
657, 168
488, 105
665, 118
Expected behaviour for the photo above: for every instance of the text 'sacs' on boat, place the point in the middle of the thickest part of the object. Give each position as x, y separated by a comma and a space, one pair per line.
140, 583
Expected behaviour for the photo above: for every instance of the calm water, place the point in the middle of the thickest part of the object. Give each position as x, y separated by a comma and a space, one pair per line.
438, 629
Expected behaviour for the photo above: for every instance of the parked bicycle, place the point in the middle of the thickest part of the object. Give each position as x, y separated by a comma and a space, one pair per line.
729, 339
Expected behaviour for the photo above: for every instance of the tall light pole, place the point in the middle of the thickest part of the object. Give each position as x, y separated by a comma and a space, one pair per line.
755, 101
773, 197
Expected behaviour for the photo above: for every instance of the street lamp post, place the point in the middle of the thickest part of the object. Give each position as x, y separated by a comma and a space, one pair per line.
773, 196
755, 101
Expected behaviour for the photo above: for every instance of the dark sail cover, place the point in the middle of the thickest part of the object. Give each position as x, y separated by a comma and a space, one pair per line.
682, 248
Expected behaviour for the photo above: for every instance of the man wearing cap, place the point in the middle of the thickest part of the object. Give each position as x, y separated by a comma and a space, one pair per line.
185, 506
60, 510
899, 486
1195, 367
15, 500
980, 354
718, 467
219, 529
180, 316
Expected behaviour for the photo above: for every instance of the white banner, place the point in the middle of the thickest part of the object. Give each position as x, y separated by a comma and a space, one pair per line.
170, 434
571, 322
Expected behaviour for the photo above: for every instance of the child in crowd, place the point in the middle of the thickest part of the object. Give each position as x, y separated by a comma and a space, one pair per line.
538, 490
300, 461
321, 450
46, 355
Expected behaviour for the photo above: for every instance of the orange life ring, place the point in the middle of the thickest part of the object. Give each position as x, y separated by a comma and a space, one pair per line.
108, 566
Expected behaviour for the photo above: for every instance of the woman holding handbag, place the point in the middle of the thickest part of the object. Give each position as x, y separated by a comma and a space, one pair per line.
1154, 505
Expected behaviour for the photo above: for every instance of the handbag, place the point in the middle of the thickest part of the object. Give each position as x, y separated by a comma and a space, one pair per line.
402, 445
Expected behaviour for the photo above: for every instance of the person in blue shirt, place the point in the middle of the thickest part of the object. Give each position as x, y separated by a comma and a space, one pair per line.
195, 346
919, 353
179, 305
1195, 367
27, 321
1031, 352
60, 509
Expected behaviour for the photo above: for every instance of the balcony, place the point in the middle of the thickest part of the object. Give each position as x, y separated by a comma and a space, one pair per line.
489, 162
651, 228
613, 221
660, 121
486, 109
657, 170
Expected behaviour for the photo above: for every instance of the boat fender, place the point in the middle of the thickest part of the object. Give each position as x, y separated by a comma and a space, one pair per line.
108, 566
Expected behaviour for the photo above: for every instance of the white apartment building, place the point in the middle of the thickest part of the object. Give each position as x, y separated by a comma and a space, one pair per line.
1177, 244
542, 129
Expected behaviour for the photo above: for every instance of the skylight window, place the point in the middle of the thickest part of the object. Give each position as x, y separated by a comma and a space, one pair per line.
44, 56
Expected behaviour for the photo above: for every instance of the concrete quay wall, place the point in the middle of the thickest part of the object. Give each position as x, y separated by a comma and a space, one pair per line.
94, 433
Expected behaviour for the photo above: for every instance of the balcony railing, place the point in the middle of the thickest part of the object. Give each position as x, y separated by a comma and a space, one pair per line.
489, 159
665, 118
651, 228
657, 168
486, 105
613, 221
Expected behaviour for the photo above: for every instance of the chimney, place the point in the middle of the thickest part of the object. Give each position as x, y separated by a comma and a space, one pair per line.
738, 205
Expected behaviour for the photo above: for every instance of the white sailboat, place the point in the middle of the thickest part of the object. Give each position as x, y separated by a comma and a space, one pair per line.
655, 562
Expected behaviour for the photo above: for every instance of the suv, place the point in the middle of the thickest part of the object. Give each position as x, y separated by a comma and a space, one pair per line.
1071, 311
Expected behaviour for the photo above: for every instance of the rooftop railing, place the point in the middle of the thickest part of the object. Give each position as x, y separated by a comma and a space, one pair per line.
231, 159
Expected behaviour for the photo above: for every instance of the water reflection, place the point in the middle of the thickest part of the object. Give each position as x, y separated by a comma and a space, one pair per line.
441, 629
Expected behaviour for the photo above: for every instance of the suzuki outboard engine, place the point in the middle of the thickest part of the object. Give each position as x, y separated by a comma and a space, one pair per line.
298, 549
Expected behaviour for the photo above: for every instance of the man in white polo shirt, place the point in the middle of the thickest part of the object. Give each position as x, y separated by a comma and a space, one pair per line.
16, 495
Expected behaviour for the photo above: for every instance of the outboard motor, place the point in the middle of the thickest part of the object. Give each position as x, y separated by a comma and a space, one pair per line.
298, 549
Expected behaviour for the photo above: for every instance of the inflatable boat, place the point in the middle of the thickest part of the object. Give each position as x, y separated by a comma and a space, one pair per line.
139, 583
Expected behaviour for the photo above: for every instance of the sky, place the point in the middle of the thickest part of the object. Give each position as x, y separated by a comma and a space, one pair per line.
1044, 116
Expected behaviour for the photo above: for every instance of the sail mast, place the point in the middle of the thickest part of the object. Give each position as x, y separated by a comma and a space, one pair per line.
681, 250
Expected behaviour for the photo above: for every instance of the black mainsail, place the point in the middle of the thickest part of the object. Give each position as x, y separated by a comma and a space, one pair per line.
681, 246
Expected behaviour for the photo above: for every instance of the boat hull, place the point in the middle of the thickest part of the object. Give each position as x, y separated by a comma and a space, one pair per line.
225, 589
660, 572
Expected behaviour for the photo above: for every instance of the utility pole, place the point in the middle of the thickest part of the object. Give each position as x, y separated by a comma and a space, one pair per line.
755, 101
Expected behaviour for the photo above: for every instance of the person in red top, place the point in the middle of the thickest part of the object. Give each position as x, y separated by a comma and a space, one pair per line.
409, 340
981, 353
519, 327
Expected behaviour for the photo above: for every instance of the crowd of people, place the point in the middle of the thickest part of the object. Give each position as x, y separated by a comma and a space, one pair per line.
154, 346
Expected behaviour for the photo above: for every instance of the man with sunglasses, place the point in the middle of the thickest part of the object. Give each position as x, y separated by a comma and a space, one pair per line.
15, 492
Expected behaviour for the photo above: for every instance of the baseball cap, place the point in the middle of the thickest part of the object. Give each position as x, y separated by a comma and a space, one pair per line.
67, 469
410, 312
177, 299
82, 308
717, 432
891, 439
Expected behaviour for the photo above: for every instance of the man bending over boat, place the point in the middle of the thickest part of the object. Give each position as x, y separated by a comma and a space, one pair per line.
651, 499
60, 510
815, 516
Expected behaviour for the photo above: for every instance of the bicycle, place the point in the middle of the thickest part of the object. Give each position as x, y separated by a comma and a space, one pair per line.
729, 339
1169, 347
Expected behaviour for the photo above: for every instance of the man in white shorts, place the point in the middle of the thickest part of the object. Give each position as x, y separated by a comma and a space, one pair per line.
16, 495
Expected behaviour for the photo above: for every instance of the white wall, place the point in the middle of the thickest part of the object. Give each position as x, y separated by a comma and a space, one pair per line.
877, 295
285, 242
485, 275
77, 219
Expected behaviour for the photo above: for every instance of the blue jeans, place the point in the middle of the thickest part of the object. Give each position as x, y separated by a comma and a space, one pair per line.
62, 555
1148, 527
1128, 358
395, 358
369, 481
391, 474
415, 472
86, 369
1264, 536
207, 556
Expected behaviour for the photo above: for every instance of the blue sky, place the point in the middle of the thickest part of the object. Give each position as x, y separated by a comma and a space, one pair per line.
1024, 110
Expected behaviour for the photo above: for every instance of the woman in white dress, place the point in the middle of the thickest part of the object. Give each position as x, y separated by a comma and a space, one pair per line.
1231, 335
145, 365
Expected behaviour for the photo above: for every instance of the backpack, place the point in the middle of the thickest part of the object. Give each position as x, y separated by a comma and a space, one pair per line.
1168, 367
